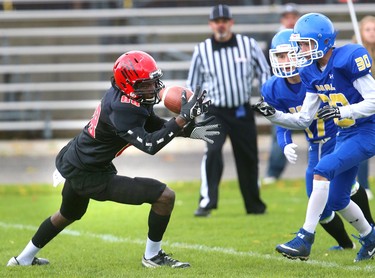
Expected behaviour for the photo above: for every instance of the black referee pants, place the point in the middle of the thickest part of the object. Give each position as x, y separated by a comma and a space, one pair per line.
243, 135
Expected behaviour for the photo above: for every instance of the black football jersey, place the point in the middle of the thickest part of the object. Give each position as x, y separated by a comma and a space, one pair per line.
118, 122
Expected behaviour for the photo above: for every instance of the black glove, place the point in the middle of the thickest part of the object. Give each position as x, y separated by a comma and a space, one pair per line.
201, 130
195, 106
263, 108
329, 112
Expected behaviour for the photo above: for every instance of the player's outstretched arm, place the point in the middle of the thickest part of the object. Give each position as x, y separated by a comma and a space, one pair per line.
293, 121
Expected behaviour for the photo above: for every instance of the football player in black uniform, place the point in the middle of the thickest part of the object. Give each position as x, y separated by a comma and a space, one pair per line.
124, 118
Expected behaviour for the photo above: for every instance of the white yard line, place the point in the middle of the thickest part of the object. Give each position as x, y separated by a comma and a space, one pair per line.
195, 247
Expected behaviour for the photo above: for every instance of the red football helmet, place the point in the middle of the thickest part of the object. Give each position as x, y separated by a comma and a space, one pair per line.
137, 76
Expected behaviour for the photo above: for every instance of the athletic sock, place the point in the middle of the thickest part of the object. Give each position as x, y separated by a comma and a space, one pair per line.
336, 229
317, 202
46, 232
361, 199
353, 214
157, 224
27, 255
152, 248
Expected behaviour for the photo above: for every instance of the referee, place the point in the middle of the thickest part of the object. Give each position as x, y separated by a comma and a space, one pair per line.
225, 65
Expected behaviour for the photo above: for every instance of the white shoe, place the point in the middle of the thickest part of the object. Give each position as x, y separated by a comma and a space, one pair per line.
36, 261
370, 196
269, 180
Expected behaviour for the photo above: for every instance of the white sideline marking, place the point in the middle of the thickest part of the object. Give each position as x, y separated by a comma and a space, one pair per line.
196, 247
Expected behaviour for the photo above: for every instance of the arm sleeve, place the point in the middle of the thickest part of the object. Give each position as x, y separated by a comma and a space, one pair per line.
154, 122
151, 142
365, 85
284, 136
142, 128
302, 119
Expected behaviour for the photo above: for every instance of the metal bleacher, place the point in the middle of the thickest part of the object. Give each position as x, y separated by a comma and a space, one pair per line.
56, 64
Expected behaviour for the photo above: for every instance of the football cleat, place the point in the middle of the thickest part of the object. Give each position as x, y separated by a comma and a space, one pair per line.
299, 247
36, 261
340, 248
162, 259
202, 212
367, 250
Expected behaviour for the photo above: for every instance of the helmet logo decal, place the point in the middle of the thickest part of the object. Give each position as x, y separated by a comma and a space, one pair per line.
129, 72
295, 36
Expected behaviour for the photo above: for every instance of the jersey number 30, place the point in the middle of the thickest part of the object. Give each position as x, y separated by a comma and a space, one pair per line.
363, 62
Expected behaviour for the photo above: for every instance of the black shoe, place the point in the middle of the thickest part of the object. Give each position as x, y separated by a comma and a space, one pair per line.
257, 211
202, 212
162, 259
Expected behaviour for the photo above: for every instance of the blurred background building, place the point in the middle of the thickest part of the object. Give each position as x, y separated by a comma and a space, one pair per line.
56, 57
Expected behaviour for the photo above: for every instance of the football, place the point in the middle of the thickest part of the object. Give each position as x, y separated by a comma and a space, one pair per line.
171, 97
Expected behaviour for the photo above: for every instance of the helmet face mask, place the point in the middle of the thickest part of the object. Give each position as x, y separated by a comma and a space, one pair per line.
280, 52
304, 56
147, 91
137, 76
313, 36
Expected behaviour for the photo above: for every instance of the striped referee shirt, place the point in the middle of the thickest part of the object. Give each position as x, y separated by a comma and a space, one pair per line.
226, 70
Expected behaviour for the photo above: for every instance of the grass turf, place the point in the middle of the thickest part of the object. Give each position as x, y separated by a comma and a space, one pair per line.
109, 241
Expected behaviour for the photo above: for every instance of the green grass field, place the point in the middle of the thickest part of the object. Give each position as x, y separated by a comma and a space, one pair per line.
109, 241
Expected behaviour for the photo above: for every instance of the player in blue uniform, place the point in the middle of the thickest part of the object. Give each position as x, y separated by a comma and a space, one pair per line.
340, 78
285, 92
124, 117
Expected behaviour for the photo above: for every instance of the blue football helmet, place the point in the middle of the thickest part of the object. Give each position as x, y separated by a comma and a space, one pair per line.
315, 30
281, 50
